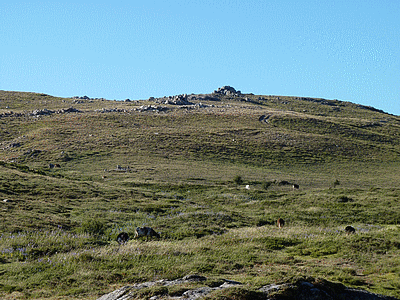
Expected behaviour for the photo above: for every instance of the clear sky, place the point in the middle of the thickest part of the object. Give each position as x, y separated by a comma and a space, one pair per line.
334, 49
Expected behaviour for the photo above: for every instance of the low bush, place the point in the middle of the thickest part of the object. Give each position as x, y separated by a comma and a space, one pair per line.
92, 226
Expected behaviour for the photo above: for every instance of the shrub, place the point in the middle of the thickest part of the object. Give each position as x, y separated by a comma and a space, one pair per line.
267, 184
238, 180
336, 183
92, 226
344, 199
264, 221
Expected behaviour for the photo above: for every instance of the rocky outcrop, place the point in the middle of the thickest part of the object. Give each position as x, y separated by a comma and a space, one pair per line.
227, 90
302, 290
183, 99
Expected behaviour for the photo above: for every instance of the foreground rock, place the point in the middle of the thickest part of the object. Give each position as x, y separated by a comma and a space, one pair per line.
301, 290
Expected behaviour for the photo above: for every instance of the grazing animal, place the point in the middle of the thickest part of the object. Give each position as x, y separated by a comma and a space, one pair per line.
295, 186
148, 232
349, 229
122, 238
280, 223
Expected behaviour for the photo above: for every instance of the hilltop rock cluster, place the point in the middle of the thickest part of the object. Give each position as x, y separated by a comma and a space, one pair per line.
78, 99
305, 290
228, 91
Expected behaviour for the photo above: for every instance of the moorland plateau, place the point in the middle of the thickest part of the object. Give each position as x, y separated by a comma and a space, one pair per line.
212, 174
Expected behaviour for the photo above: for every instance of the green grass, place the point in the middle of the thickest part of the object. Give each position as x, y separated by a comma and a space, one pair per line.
187, 177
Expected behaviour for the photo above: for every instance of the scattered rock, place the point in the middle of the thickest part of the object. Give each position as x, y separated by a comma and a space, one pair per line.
41, 112
264, 118
11, 146
194, 277
174, 100
122, 169
10, 114
68, 110
52, 166
32, 152
108, 110
152, 108
76, 101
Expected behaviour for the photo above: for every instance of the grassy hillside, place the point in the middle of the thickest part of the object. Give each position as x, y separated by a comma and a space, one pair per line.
183, 170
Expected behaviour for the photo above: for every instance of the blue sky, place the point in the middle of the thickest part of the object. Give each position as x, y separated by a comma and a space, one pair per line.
342, 49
